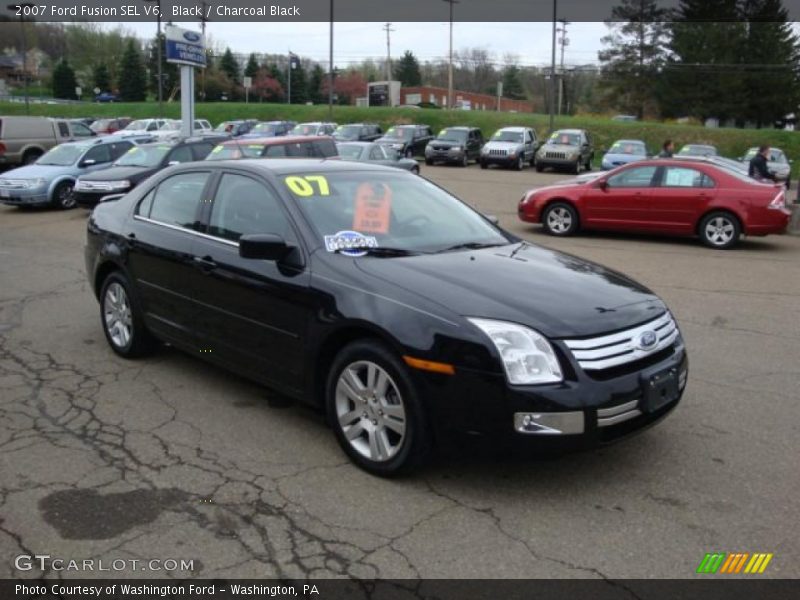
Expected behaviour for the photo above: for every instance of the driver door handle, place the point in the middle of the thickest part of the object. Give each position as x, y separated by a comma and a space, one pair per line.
206, 263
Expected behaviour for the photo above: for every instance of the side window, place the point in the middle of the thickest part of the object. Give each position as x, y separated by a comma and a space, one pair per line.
99, 154
683, 177
119, 149
243, 205
200, 151
633, 178
145, 204
152, 126
181, 154
528, 137
276, 151
63, 129
177, 198
376, 153
324, 149
81, 130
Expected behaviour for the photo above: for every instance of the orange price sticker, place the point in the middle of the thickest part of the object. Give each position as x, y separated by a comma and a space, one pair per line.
373, 208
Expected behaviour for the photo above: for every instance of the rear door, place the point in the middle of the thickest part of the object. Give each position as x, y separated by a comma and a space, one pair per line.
624, 203
251, 314
679, 198
160, 253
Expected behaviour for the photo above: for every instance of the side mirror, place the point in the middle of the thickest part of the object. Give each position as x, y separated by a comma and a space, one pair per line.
264, 246
492, 219
602, 184
88, 162
172, 163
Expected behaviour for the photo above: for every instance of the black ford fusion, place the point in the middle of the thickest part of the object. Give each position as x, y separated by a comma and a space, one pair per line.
386, 301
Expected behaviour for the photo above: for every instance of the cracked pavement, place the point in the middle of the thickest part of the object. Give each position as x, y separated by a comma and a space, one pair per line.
168, 457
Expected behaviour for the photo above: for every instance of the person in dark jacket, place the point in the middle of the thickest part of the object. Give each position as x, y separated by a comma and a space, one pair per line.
758, 165
667, 150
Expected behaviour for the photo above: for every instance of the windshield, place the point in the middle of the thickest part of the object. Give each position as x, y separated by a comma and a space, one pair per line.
349, 151
235, 151
137, 126
143, 156
305, 130
452, 135
265, 129
400, 133
347, 132
633, 148
387, 210
63, 155
170, 126
507, 136
564, 139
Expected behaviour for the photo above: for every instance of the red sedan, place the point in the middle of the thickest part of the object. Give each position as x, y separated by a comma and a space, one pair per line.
671, 197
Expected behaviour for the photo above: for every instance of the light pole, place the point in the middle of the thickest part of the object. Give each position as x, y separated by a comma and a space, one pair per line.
563, 41
21, 7
388, 29
450, 61
330, 71
158, 47
553, 69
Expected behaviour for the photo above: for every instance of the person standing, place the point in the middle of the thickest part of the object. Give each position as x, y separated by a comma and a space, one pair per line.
759, 168
667, 149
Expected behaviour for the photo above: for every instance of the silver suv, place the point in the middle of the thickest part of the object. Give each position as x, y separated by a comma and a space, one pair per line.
510, 147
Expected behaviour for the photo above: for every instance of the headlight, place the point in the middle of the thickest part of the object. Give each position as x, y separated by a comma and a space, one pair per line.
120, 185
37, 183
455, 149
397, 146
527, 355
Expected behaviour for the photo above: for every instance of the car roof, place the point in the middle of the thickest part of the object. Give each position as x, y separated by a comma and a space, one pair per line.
629, 142
699, 146
283, 166
358, 143
515, 129
276, 141
568, 131
459, 127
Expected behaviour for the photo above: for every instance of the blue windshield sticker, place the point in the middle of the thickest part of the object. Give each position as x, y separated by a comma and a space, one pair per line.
350, 243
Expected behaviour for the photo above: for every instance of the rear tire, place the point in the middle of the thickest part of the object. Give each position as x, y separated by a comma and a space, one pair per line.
720, 230
560, 219
376, 414
30, 157
122, 319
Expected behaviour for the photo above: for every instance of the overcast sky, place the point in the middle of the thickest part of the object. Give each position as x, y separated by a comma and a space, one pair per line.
353, 42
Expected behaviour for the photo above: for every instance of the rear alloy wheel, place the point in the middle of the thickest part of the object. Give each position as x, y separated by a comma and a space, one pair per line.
560, 219
63, 197
720, 230
374, 410
122, 320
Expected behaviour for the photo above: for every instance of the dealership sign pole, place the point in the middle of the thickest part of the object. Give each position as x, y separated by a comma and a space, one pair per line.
187, 49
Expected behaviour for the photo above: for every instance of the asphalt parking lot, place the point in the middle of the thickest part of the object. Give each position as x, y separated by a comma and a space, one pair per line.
170, 458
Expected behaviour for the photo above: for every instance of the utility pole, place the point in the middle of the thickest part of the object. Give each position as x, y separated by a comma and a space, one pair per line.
553, 69
20, 8
564, 42
330, 71
450, 61
159, 43
388, 29
203, 20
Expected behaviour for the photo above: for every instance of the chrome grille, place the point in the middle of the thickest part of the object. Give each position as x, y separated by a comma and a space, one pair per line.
495, 152
623, 347
556, 155
86, 186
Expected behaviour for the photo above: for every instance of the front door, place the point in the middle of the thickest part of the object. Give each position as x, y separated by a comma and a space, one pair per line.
624, 201
251, 314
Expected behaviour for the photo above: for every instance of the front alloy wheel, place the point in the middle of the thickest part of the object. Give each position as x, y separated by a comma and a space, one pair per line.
373, 408
121, 319
560, 219
63, 197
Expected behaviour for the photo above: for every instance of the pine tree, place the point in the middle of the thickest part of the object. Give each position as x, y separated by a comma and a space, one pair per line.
315, 83
407, 70
251, 69
132, 77
64, 82
101, 77
512, 83
299, 85
635, 53
230, 66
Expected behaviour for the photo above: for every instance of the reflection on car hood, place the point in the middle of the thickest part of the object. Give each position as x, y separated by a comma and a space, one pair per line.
557, 294
37, 171
560, 148
502, 145
118, 173
622, 158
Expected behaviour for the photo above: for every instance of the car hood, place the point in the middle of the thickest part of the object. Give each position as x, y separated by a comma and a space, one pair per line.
385, 140
622, 159
37, 171
508, 146
559, 295
119, 173
445, 143
560, 148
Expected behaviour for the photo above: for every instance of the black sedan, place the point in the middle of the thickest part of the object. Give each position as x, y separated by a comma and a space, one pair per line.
378, 296
377, 154
139, 163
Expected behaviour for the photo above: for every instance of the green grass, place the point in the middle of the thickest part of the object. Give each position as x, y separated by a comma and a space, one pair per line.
731, 142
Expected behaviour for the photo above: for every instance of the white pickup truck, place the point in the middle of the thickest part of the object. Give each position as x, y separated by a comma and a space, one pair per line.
25, 139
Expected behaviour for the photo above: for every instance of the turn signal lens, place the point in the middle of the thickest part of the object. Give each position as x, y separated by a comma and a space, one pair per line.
429, 365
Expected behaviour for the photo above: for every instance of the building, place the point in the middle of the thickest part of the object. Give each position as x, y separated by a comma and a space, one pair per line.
467, 100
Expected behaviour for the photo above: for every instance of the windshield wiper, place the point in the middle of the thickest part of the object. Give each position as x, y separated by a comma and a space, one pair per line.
473, 246
380, 251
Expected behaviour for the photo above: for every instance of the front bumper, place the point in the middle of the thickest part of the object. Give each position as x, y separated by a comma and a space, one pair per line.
24, 197
558, 163
505, 160
583, 411
445, 156
92, 199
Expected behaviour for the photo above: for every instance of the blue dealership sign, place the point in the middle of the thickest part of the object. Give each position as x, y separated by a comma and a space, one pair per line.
185, 47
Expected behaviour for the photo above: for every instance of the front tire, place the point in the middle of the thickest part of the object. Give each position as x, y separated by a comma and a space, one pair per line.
720, 230
576, 168
374, 410
520, 163
122, 319
409, 153
539, 167
560, 219
464, 161
62, 196
484, 165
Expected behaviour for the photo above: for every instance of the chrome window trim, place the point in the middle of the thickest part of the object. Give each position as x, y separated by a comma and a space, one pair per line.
186, 230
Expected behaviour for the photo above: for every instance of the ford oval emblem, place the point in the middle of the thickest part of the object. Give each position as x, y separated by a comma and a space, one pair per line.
191, 36
647, 340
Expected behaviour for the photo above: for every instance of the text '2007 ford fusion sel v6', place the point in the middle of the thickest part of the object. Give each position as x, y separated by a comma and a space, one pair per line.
384, 300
